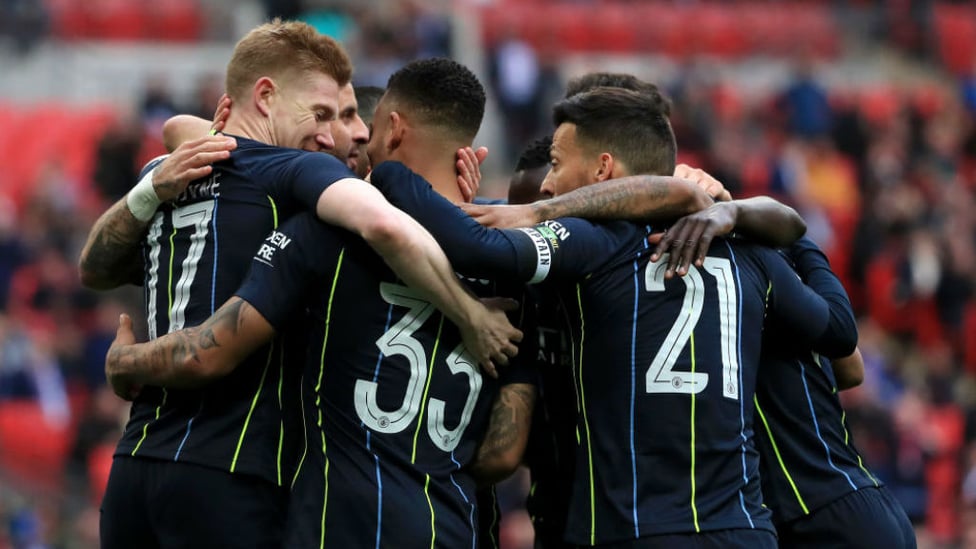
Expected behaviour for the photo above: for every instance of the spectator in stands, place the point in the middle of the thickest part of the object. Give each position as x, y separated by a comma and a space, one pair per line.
25, 22
115, 158
517, 83
804, 102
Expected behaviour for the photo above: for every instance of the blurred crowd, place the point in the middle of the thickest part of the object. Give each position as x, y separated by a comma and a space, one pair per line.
885, 177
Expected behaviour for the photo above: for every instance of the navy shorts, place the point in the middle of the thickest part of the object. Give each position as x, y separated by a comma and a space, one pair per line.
157, 504
717, 539
869, 517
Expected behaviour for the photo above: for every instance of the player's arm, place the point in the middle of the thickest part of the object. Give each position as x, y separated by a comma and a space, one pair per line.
110, 256
190, 357
182, 128
818, 311
501, 450
566, 248
185, 127
416, 258
291, 258
760, 218
849, 370
639, 198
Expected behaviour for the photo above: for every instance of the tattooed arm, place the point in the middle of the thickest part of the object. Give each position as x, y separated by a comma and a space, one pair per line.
110, 256
190, 357
640, 197
508, 433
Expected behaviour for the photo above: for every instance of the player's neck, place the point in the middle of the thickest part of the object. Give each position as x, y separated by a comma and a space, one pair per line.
250, 128
436, 165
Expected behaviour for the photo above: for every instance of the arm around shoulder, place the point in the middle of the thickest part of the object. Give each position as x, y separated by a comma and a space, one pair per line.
191, 357
768, 221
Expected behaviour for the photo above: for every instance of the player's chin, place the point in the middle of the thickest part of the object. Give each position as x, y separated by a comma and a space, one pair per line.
352, 162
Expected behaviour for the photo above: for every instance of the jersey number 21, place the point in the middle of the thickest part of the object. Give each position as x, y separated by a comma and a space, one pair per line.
661, 376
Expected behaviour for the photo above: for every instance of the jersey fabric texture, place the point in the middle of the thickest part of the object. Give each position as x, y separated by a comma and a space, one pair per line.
664, 370
196, 254
395, 406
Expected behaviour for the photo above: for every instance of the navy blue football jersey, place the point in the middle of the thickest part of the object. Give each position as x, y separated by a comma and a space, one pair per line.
664, 370
196, 253
807, 457
395, 405
551, 448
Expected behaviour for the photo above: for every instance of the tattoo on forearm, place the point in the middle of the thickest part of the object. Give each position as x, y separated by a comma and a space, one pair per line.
176, 358
630, 198
112, 244
511, 410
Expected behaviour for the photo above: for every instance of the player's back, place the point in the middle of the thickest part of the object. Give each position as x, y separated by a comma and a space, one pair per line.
196, 254
395, 407
808, 458
665, 374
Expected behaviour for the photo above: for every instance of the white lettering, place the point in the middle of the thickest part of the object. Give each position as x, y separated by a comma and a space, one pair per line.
266, 252
279, 240
543, 255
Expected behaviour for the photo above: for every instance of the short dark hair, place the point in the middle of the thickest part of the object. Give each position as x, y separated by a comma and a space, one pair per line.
440, 92
535, 155
630, 125
593, 80
366, 98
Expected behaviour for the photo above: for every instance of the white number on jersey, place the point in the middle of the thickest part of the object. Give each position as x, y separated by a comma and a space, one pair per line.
196, 216
399, 340
661, 376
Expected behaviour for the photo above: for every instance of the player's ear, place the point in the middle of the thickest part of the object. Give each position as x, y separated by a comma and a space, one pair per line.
263, 94
604, 167
397, 128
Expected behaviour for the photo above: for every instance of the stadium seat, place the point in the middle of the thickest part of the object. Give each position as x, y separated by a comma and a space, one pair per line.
124, 20
69, 19
99, 466
955, 32
33, 449
175, 20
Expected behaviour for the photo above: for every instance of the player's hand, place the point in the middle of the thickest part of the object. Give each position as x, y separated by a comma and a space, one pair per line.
689, 238
469, 171
489, 336
221, 114
712, 187
117, 379
190, 161
502, 216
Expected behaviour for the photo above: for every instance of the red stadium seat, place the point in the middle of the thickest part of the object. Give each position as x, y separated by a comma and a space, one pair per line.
118, 19
99, 466
955, 31
175, 20
33, 449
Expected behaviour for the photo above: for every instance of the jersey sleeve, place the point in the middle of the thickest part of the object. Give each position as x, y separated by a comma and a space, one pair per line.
308, 175
563, 248
152, 165
824, 325
285, 265
814, 268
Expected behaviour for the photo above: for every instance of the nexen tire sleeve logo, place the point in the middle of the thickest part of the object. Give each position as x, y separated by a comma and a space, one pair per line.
543, 250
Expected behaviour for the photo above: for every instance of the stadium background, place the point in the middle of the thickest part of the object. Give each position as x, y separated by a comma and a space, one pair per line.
860, 114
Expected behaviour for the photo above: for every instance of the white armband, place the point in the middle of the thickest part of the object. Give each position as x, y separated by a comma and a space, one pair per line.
142, 199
